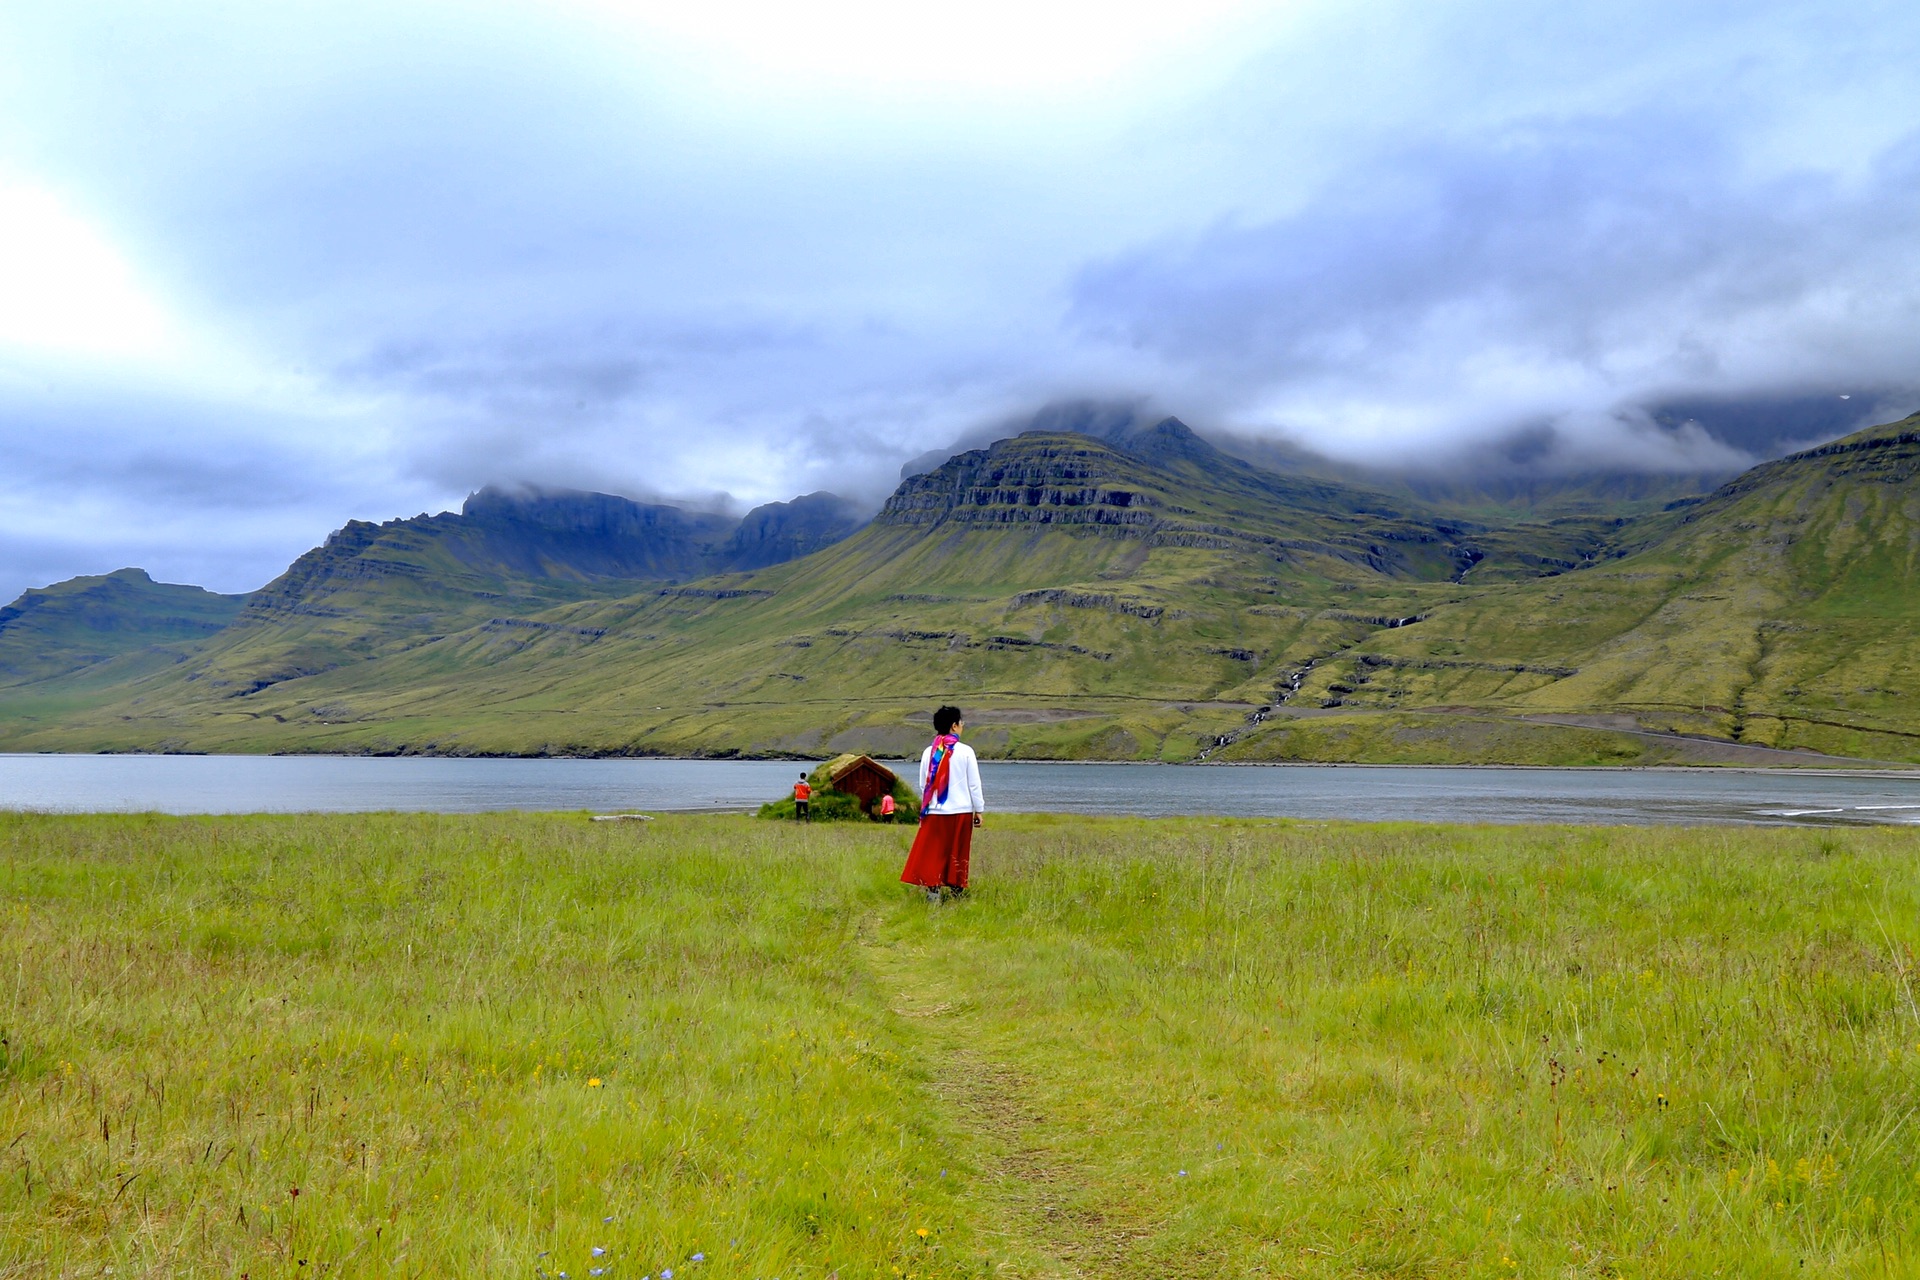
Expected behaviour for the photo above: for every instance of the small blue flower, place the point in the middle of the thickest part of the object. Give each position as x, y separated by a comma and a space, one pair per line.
598, 1252
698, 1257
607, 1219
596, 1271
666, 1273
1183, 1173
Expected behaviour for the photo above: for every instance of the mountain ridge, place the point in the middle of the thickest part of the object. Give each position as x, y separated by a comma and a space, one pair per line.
1150, 597
1466, 487
1779, 610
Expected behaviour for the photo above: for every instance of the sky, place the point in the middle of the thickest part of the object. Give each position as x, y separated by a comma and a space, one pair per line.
265, 268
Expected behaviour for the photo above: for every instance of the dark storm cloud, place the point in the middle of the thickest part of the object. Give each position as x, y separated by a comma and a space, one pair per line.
405, 250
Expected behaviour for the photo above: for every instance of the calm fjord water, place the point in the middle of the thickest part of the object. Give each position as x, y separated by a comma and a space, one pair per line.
340, 784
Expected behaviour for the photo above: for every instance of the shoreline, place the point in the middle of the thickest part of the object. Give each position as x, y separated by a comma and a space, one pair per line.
1834, 771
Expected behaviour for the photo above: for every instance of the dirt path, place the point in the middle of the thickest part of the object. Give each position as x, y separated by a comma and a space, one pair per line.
1039, 1221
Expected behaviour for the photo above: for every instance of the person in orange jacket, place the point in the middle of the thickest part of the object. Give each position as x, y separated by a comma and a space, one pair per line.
802, 794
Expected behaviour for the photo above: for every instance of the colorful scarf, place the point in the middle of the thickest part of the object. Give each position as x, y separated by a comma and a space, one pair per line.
939, 765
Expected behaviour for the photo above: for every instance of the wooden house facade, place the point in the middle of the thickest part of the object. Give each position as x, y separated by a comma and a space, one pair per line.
861, 776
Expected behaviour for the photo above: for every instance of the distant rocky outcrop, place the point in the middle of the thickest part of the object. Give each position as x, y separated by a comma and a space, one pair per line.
570, 534
1164, 484
782, 531
1028, 480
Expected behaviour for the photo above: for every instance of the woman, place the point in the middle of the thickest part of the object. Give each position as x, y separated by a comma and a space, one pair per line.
951, 803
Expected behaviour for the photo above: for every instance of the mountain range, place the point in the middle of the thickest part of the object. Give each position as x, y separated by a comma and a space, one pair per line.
1127, 591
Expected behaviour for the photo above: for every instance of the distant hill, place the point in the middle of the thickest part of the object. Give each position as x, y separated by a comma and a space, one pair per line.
1782, 610
83, 622
591, 536
1167, 485
568, 535
376, 589
1140, 596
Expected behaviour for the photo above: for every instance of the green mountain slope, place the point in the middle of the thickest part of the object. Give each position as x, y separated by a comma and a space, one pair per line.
83, 622
1141, 597
1780, 610
374, 590
1135, 598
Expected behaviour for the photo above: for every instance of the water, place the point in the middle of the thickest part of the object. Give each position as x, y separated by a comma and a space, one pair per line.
342, 784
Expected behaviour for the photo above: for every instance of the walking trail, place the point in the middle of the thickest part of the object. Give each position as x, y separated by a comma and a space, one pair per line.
1046, 1217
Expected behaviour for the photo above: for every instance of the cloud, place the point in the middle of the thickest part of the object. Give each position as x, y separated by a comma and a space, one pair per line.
102, 474
1571, 272
397, 251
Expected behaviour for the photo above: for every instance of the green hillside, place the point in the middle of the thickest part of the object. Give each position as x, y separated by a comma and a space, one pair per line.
1780, 610
370, 591
1142, 597
84, 622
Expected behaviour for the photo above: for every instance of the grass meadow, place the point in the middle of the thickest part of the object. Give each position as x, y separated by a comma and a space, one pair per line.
491, 1045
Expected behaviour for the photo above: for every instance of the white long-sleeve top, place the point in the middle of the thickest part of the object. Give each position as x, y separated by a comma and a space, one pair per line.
963, 782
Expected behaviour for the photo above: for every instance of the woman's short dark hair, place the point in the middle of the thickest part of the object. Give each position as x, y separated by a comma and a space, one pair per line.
945, 718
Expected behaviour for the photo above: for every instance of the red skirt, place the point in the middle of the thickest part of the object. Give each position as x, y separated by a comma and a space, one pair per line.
941, 849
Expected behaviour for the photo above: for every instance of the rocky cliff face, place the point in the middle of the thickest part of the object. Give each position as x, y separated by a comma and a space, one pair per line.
513, 550
782, 531
562, 537
583, 535
1166, 486
1030, 480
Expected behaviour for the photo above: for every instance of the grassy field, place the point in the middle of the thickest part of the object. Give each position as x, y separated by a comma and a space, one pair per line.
421, 1046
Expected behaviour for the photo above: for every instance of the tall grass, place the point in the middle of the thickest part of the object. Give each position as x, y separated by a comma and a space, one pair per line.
488, 1045
1334, 1050
465, 1042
